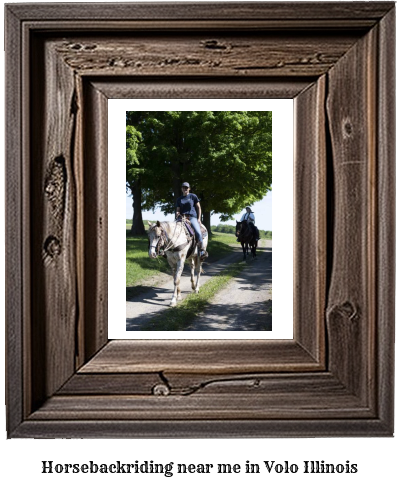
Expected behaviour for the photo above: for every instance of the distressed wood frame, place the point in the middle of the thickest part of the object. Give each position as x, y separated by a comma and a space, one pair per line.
64, 378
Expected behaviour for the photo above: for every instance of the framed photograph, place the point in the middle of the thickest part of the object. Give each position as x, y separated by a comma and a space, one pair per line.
236, 290
65, 377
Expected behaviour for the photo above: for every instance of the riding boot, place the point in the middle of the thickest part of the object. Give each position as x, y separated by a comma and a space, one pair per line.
201, 251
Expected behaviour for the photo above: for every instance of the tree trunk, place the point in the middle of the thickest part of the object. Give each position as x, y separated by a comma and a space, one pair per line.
176, 188
206, 220
137, 224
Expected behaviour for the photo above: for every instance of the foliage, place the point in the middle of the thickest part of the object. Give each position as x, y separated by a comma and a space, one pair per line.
225, 156
224, 228
133, 168
265, 234
231, 229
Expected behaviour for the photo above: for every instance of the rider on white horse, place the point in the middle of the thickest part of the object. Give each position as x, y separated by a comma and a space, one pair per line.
188, 205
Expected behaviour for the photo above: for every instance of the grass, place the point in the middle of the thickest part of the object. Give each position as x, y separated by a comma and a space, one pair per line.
180, 317
140, 267
220, 245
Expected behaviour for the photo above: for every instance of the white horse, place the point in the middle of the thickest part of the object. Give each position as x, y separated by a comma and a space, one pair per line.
171, 238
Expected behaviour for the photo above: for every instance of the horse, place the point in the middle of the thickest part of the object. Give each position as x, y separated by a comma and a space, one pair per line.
247, 238
171, 239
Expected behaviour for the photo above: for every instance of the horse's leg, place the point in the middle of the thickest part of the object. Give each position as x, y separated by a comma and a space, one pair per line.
243, 250
179, 298
192, 273
198, 269
176, 280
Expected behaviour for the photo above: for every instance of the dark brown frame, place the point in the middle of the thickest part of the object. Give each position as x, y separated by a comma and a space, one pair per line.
336, 376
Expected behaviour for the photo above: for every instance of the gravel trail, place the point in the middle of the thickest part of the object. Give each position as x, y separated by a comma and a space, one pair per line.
141, 309
255, 279
246, 303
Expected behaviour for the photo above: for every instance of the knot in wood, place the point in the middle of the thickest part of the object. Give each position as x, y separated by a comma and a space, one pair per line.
346, 310
54, 186
90, 47
50, 188
347, 128
52, 246
161, 390
213, 44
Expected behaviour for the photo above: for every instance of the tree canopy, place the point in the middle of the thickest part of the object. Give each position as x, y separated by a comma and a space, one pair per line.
226, 157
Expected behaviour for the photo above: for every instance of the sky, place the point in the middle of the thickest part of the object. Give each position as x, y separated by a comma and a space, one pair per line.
262, 210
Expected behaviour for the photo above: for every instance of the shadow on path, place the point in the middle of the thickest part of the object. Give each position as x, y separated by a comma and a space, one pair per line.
234, 317
244, 305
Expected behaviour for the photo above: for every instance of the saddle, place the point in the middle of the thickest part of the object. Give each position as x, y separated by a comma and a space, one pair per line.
191, 232
191, 235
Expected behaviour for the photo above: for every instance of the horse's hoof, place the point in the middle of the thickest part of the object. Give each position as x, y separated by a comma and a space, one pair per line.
173, 304
179, 298
196, 291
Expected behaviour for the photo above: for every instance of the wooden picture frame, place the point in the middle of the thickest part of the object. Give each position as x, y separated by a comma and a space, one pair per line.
335, 378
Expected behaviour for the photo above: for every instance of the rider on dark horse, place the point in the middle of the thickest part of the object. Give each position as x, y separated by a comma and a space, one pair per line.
249, 217
188, 205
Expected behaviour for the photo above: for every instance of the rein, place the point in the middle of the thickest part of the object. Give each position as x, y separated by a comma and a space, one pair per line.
244, 233
164, 239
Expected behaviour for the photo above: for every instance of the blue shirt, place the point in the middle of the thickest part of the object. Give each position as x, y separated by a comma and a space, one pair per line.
187, 204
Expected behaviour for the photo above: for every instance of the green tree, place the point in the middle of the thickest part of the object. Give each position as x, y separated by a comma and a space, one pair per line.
134, 173
226, 157
236, 167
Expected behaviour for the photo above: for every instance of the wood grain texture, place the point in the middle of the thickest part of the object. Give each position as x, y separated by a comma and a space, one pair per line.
218, 55
351, 307
386, 219
111, 384
310, 245
200, 356
145, 87
206, 11
258, 396
95, 220
15, 234
202, 429
184, 384
336, 60
53, 213
204, 407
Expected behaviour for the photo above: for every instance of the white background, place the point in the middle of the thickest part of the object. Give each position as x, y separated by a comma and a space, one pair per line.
282, 215
377, 458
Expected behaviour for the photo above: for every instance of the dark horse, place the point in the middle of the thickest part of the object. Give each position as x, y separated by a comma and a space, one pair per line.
246, 233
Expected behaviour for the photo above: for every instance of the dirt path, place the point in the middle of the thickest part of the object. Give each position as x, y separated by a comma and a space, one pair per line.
141, 309
155, 298
246, 303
